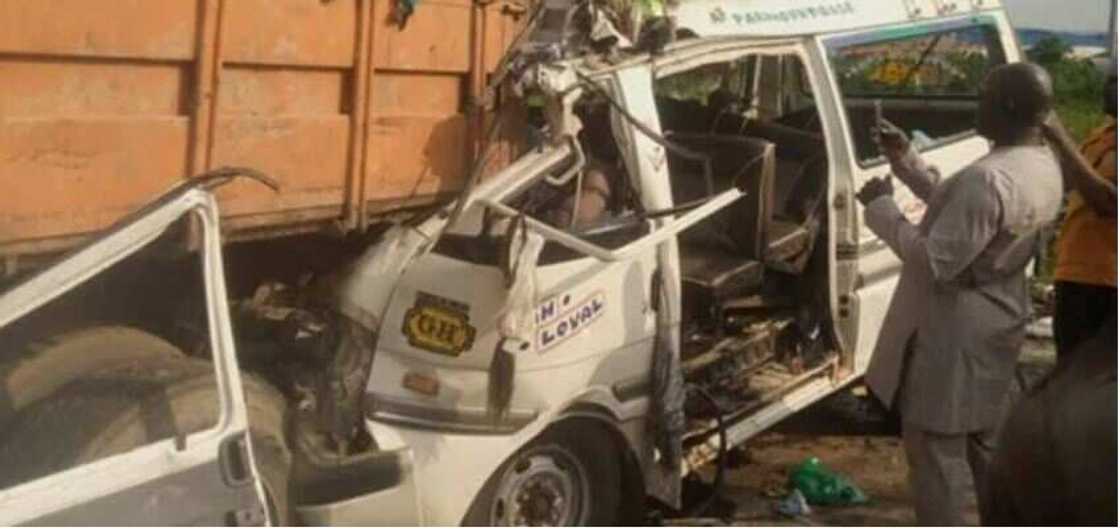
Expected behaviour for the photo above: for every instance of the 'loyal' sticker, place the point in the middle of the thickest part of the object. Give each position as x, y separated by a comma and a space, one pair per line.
438, 325
553, 330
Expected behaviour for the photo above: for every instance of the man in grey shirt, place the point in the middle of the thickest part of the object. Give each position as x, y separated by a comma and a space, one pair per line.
947, 351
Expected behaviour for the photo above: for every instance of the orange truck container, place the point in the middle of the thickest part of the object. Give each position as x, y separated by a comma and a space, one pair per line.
106, 103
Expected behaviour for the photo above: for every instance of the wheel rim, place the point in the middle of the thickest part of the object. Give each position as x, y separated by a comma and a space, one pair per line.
545, 486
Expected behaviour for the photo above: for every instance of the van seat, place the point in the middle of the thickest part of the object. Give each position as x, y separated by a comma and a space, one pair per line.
723, 255
785, 240
720, 274
800, 186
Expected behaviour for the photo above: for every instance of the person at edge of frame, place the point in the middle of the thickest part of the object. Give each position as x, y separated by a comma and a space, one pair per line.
1085, 274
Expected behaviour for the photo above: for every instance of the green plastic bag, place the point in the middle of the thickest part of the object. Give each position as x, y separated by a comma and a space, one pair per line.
822, 486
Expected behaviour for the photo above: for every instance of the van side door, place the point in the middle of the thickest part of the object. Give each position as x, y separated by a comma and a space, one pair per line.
198, 477
924, 77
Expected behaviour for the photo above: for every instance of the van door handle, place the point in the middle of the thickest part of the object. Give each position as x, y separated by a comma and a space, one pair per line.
233, 458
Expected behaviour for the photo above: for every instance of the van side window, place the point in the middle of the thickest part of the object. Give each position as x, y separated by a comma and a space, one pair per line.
749, 122
928, 83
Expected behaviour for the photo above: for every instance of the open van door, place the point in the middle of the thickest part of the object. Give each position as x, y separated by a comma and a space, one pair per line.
204, 476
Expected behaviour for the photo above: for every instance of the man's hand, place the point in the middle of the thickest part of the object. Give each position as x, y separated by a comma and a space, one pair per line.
891, 140
875, 188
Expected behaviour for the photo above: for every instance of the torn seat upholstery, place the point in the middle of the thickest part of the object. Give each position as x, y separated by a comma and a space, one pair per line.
722, 257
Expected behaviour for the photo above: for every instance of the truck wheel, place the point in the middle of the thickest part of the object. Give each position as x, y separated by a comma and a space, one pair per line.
113, 410
45, 366
563, 478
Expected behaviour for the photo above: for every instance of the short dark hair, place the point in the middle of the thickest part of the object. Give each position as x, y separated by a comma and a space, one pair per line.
1026, 92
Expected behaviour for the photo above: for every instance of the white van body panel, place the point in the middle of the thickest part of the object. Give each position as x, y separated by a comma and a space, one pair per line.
133, 471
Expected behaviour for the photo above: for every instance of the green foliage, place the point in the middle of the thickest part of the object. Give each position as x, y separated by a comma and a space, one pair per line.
1080, 116
1049, 50
973, 66
1078, 86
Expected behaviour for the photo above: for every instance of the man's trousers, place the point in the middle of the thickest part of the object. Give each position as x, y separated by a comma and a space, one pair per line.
943, 471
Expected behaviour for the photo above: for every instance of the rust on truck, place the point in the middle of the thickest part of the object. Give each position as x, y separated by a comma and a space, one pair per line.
108, 102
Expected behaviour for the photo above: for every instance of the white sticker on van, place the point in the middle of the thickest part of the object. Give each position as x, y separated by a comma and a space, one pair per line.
783, 15
555, 327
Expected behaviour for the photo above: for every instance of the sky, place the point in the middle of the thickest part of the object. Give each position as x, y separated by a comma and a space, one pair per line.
1060, 15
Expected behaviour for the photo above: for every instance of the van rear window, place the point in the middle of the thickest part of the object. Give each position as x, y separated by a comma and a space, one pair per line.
927, 82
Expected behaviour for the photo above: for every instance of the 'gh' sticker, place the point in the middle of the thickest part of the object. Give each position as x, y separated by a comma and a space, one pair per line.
438, 325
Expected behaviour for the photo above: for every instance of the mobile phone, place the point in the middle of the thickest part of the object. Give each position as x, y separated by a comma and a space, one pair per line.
878, 113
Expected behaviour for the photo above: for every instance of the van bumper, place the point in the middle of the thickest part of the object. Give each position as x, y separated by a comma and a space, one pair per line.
396, 504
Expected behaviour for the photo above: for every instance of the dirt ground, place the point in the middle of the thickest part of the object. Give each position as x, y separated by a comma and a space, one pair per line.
861, 445
876, 464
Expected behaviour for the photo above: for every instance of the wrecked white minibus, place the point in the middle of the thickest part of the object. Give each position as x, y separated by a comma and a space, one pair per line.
676, 264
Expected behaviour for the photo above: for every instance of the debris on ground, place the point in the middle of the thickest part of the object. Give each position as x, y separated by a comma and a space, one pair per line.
1043, 296
738, 457
774, 491
794, 505
822, 486
857, 440
1042, 328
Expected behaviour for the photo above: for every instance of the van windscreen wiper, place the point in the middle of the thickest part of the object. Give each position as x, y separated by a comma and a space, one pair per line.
921, 60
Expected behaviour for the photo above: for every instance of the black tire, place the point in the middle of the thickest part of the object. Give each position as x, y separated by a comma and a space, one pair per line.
594, 452
116, 409
45, 366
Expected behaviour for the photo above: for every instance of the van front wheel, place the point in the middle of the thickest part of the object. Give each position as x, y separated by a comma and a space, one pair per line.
559, 479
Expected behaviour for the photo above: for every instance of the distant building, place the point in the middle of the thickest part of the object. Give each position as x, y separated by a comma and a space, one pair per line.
1087, 52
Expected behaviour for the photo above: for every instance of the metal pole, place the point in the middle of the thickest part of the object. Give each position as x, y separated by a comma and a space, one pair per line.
1112, 32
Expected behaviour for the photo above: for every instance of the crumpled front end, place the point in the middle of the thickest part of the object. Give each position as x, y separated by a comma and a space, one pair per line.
362, 290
